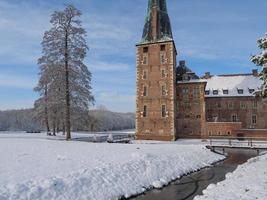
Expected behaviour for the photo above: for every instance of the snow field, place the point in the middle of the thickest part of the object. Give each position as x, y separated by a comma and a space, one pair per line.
36, 168
247, 182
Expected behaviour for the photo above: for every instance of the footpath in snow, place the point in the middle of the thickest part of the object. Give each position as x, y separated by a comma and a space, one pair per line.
33, 167
248, 182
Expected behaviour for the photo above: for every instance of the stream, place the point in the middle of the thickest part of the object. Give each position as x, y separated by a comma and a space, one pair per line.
192, 185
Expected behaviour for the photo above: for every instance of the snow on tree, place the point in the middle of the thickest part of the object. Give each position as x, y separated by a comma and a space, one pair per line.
63, 71
261, 60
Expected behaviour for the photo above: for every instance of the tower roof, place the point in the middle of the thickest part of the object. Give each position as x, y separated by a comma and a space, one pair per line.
157, 24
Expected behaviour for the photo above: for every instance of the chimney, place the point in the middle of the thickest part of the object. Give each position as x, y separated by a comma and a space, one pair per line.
207, 75
182, 63
255, 72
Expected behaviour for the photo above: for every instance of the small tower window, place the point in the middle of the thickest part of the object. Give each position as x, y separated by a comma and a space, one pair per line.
163, 90
162, 47
162, 58
145, 50
145, 111
145, 74
163, 73
145, 59
145, 91
163, 110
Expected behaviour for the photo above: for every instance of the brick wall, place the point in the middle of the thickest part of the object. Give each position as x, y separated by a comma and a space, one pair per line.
190, 114
257, 133
222, 128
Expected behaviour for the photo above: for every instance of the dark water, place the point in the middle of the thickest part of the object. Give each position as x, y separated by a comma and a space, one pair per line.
192, 185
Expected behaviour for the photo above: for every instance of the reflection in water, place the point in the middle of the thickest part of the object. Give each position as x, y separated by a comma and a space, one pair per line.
192, 185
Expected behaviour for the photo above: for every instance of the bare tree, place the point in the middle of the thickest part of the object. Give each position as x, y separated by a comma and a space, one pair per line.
64, 50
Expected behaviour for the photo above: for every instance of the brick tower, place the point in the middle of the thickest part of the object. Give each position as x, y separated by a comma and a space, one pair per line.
156, 76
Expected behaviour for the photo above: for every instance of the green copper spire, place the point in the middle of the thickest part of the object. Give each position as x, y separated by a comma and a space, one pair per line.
157, 24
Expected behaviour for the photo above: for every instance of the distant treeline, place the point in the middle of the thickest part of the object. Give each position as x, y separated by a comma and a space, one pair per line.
96, 120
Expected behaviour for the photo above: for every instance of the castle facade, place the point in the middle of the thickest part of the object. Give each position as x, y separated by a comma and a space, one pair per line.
173, 102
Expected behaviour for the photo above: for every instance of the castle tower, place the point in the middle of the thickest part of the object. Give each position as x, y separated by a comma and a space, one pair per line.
156, 76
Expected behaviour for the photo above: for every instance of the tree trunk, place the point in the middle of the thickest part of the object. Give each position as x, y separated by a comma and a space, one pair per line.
54, 125
46, 113
67, 91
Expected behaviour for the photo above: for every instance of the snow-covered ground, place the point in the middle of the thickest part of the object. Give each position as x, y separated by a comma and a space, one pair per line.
34, 166
248, 182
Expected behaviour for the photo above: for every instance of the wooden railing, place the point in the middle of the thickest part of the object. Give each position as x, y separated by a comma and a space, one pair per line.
249, 142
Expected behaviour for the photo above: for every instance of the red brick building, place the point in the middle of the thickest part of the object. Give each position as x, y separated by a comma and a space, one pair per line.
173, 102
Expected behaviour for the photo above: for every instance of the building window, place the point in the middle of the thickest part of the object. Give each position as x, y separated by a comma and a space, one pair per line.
225, 91
234, 118
198, 116
145, 50
145, 59
230, 106
163, 90
145, 91
185, 92
196, 92
243, 105
219, 105
163, 111
215, 92
162, 57
207, 92
145, 111
240, 91
255, 104
251, 91
254, 119
163, 73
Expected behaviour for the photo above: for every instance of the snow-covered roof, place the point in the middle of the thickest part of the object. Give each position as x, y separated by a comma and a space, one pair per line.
232, 85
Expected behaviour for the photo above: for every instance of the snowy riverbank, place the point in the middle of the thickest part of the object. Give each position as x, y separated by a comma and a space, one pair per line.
34, 167
248, 181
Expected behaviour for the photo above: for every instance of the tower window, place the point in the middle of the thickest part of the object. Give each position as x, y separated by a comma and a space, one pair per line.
145, 50
162, 58
163, 111
145, 59
145, 111
163, 73
145, 91
144, 74
163, 90
162, 47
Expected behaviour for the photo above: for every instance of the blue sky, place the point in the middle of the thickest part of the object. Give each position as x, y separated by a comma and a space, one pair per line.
211, 35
